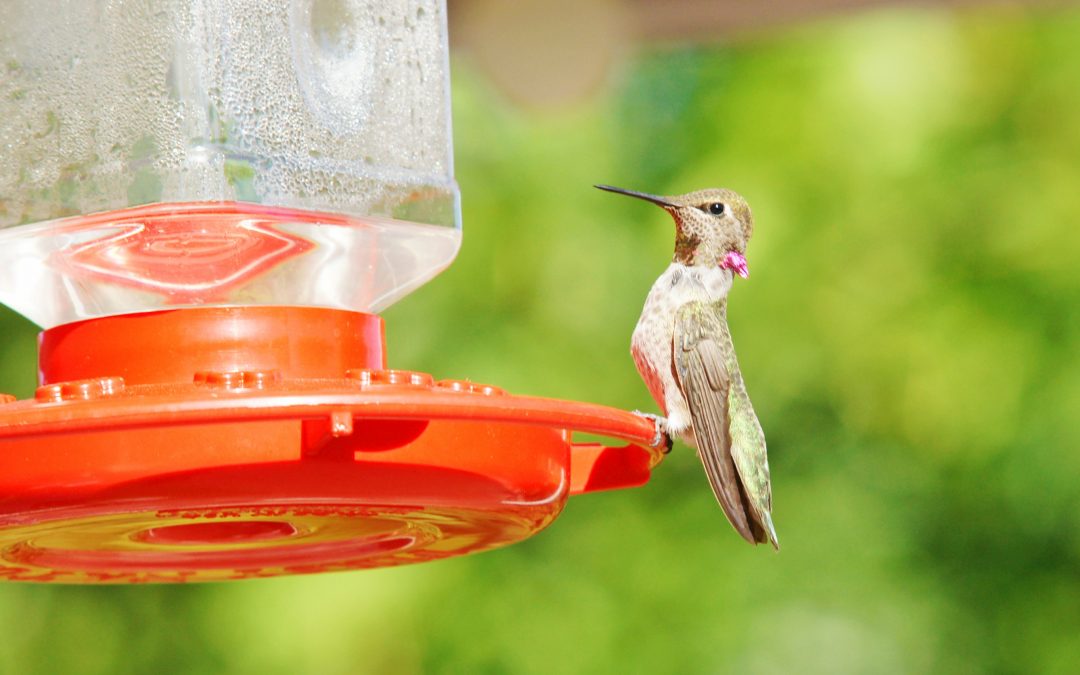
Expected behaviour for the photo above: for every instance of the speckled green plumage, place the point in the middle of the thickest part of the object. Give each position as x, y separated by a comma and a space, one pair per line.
727, 430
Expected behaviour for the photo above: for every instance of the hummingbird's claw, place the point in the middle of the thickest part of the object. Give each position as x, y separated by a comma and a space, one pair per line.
666, 440
662, 439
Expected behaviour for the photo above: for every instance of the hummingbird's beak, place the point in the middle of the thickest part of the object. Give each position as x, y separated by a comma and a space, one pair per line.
662, 201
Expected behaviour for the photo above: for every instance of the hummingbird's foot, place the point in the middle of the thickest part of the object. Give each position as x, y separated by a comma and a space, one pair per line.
662, 439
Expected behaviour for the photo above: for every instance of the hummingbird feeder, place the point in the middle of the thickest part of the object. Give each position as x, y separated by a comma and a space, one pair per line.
204, 207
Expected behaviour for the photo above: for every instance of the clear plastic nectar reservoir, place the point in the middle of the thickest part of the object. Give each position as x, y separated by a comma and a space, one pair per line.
240, 152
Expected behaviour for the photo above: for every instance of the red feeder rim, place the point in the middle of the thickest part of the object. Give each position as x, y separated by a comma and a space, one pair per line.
234, 442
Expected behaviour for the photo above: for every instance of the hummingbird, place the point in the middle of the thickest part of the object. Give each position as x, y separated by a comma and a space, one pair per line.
683, 350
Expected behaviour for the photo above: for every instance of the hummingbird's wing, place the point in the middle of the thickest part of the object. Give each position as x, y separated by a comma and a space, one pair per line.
730, 442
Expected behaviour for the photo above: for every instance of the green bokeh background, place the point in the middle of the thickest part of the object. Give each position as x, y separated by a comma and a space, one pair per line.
908, 335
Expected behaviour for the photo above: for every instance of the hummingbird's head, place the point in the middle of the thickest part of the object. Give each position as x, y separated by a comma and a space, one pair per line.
712, 227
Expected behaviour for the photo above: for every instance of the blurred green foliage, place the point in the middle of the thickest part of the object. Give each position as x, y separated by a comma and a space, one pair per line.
908, 335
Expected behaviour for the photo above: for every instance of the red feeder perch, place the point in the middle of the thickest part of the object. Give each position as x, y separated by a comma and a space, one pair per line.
226, 443
212, 404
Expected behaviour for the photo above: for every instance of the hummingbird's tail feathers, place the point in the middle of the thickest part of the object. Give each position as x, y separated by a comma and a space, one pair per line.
747, 443
769, 531
760, 521
722, 480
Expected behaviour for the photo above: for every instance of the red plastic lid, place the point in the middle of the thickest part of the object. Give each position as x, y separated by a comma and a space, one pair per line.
227, 443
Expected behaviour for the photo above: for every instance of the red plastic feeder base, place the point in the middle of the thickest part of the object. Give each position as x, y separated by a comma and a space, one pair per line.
230, 443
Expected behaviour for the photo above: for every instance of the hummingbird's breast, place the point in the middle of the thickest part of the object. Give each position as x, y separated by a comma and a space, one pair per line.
651, 345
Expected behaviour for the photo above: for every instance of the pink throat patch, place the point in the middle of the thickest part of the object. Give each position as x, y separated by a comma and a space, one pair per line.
736, 262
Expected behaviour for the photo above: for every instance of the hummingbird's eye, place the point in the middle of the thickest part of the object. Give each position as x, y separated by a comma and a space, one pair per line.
716, 208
